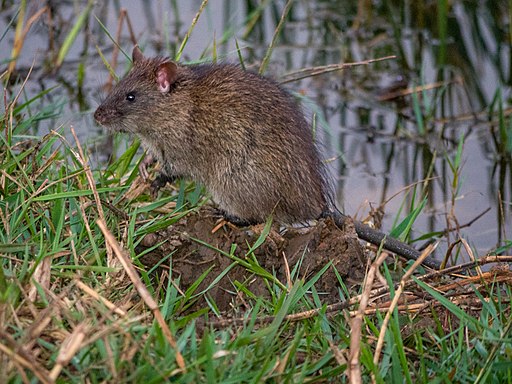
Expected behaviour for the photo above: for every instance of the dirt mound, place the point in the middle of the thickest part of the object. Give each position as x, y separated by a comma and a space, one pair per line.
312, 247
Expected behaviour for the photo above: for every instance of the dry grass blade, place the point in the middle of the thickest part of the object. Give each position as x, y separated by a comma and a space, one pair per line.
277, 31
41, 276
354, 368
68, 349
80, 156
123, 15
21, 33
107, 303
394, 303
191, 28
464, 267
142, 290
88, 173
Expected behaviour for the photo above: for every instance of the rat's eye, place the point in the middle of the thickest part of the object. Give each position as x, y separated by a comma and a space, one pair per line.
130, 96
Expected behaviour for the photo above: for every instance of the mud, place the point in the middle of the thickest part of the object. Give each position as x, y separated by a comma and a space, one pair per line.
306, 250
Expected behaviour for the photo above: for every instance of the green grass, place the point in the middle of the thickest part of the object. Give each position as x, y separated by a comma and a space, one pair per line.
52, 250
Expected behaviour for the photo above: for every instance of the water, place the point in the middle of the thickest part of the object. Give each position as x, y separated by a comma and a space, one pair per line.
374, 146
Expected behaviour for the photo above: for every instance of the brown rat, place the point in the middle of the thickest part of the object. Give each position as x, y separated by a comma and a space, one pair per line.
238, 133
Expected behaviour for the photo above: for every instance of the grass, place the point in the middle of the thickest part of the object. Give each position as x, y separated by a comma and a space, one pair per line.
70, 311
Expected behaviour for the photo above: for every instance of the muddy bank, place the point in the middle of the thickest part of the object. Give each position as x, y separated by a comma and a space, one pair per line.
312, 247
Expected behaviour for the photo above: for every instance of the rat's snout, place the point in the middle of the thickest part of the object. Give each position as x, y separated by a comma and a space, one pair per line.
109, 118
100, 115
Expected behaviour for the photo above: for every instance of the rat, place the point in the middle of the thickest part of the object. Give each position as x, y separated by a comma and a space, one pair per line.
238, 133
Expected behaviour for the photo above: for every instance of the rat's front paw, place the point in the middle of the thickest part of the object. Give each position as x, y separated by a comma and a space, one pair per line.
160, 182
143, 166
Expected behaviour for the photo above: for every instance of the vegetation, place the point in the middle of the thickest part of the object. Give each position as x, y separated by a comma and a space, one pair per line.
77, 304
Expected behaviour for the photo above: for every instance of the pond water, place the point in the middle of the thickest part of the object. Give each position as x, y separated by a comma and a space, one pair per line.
375, 140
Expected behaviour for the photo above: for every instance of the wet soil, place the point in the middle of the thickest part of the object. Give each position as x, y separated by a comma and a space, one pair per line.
306, 250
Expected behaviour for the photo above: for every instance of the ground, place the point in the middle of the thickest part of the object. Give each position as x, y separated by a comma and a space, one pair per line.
308, 248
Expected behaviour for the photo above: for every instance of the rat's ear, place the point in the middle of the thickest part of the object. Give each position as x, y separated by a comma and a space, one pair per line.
166, 74
137, 54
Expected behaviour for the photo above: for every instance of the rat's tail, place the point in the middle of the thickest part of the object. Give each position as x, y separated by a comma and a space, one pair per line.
377, 238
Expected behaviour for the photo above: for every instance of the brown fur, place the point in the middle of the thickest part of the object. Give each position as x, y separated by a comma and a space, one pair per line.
239, 134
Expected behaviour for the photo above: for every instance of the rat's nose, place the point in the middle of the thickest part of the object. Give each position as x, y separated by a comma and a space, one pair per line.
100, 115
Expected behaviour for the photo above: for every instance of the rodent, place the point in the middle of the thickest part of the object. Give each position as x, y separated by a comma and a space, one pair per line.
238, 133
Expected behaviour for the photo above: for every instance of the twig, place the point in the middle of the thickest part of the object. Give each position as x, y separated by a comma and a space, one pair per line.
492, 275
464, 267
468, 224
408, 91
320, 70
